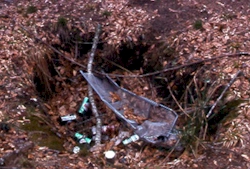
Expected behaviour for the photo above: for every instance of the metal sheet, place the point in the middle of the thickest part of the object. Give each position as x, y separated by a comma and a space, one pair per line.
159, 119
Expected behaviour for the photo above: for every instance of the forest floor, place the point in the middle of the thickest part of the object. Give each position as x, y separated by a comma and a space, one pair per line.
206, 44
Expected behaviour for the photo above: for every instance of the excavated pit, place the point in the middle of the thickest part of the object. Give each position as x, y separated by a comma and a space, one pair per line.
187, 87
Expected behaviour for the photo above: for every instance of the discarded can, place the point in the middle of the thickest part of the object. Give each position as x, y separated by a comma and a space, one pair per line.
67, 118
84, 106
133, 138
76, 149
110, 156
82, 138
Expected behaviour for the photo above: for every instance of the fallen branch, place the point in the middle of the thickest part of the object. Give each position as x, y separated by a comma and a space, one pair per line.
51, 47
222, 93
91, 96
76, 50
176, 67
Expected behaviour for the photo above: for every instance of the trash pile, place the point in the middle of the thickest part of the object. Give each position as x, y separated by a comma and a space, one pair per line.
147, 120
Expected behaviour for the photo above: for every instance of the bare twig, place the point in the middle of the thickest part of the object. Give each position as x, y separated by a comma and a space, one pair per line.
91, 96
196, 85
178, 104
76, 50
177, 67
223, 92
205, 130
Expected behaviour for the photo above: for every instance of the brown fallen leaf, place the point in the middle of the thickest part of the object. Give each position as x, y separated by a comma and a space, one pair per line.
114, 97
129, 114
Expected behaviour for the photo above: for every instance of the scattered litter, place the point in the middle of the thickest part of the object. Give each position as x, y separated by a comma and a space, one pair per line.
133, 138
67, 118
33, 99
21, 107
152, 122
76, 149
82, 138
84, 108
110, 156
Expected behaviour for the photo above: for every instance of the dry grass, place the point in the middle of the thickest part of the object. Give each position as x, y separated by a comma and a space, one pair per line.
40, 59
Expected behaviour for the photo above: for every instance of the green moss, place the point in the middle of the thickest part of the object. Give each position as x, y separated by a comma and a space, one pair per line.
31, 9
61, 27
48, 140
62, 21
106, 13
198, 25
41, 134
230, 109
83, 150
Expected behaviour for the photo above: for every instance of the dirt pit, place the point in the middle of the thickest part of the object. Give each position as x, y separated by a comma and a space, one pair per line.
166, 59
